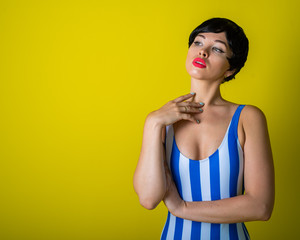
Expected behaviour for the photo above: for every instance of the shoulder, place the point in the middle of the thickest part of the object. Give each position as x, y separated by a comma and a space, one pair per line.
252, 116
252, 111
252, 125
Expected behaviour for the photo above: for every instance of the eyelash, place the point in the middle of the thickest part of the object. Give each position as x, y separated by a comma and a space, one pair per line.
214, 48
197, 43
218, 50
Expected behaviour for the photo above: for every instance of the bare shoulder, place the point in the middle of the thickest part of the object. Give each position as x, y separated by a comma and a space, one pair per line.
253, 110
253, 128
252, 116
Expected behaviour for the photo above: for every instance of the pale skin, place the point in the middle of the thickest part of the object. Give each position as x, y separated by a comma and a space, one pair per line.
199, 139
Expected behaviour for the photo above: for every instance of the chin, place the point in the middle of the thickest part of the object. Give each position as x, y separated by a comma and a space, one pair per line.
196, 75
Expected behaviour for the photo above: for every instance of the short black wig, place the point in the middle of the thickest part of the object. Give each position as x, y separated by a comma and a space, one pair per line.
236, 38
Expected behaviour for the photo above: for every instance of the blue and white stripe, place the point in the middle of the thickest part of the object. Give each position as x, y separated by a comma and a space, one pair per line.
217, 177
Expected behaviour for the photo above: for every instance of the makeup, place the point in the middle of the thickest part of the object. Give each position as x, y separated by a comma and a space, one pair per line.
199, 62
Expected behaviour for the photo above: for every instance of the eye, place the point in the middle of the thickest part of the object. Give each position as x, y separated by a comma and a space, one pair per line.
197, 43
218, 50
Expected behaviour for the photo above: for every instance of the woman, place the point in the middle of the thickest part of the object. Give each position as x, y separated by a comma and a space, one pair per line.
208, 159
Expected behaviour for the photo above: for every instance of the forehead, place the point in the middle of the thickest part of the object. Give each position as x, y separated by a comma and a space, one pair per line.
214, 36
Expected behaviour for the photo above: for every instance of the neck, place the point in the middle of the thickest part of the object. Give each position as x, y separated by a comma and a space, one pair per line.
207, 92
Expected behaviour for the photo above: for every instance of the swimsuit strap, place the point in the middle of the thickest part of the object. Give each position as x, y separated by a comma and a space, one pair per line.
235, 120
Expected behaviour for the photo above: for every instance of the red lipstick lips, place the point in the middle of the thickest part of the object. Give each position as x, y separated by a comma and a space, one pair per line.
199, 62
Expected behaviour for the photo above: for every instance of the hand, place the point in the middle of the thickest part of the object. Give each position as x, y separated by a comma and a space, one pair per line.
176, 110
172, 200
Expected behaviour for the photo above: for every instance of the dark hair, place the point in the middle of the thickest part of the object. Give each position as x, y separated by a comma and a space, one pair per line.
236, 38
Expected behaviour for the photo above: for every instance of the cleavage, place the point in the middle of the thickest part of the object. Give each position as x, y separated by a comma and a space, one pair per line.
199, 141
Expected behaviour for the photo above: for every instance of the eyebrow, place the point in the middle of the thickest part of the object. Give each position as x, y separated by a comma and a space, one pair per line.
217, 40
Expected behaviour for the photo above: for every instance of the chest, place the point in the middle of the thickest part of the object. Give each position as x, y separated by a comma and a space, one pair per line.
199, 141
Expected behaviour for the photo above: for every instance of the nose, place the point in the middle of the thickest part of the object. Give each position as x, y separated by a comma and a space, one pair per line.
203, 53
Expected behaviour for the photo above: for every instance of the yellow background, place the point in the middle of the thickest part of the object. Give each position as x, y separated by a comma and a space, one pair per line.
77, 79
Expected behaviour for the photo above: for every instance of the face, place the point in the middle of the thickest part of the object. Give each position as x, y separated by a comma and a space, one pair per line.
207, 57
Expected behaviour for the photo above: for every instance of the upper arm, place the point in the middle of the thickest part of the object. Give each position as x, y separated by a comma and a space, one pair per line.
258, 165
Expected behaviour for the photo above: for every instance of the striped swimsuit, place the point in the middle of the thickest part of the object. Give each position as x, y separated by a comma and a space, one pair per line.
217, 177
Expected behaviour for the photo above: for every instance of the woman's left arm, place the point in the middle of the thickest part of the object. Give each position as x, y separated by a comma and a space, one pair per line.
258, 200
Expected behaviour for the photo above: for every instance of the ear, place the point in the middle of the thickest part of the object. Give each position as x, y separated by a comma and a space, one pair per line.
228, 73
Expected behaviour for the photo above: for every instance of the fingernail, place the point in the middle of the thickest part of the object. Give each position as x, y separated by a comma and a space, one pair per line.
201, 103
200, 109
197, 121
192, 93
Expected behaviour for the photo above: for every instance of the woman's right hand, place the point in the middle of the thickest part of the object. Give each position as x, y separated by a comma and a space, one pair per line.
176, 110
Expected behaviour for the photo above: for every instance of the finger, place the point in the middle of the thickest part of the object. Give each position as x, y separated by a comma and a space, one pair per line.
189, 109
190, 118
184, 97
191, 104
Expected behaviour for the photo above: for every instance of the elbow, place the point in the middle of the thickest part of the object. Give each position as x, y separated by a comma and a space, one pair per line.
147, 201
266, 216
148, 198
265, 212
149, 204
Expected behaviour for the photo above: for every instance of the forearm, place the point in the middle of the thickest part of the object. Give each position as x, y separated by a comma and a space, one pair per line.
149, 178
241, 208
